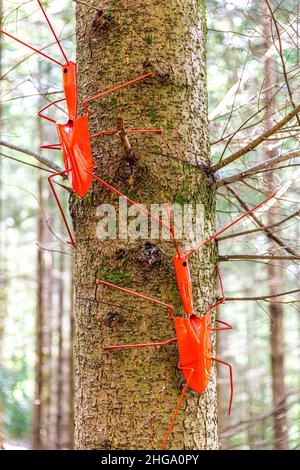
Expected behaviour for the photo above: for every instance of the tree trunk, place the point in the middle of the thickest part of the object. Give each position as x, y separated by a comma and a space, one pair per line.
60, 365
41, 412
125, 399
36, 424
222, 387
70, 355
275, 272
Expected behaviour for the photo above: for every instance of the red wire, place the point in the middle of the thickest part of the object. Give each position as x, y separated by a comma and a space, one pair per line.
53, 32
230, 225
33, 48
136, 294
172, 230
46, 107
141, 345
231, 380
127, 199
111, 90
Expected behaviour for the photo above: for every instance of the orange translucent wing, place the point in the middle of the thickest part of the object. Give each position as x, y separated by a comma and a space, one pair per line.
77, 154
194, 346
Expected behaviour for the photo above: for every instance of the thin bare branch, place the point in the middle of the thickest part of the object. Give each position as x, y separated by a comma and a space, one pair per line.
267, 231
24, 163
252, 145
257, 257
259, 166
264, 227
280, 53
262, 297
40, 158
231, 430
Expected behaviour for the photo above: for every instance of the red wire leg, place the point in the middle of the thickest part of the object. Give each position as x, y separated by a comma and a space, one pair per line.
43, 116
128, 131
219, 302
178, 405
172, 230
32, 48
136, 294
51, 146
231, 380
230, 225
141, 345
227, 326
53, 32
127, 198
59, 204
111, 90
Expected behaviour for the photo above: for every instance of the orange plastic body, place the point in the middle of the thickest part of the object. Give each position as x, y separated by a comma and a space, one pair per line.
74, 137
70, 88
184, 282
193, 333
77, 153
194, 347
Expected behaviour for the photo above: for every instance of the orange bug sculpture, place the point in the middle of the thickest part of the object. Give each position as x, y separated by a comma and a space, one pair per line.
193, 333
74, 136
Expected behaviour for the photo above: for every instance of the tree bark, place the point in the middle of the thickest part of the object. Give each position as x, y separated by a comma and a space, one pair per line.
125, 399
275, 272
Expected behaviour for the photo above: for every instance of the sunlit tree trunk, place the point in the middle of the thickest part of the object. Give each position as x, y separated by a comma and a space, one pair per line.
125, 399
275, 272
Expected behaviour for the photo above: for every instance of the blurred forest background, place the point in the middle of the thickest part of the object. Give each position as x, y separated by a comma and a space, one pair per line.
253, 74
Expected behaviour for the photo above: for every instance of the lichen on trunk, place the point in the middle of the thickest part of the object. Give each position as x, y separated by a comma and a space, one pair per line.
125, 399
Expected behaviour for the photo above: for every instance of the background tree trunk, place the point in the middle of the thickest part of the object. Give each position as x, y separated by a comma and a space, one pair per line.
60, 365
275, 272
222, 387
41, 412
125, 399
70, 357
36, 424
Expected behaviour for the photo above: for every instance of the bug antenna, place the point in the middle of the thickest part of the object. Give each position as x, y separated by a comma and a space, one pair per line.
210, 239
31, 47
52, 30
116, 191
172, 229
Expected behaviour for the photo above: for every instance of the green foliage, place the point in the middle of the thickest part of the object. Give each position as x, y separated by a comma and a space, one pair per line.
16, 397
